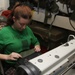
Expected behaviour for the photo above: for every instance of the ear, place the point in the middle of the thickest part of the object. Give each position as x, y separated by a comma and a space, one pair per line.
13, 18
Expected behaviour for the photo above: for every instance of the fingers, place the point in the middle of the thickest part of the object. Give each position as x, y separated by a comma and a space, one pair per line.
37, 48
14, 56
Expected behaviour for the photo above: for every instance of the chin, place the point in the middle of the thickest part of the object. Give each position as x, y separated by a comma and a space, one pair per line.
21, 30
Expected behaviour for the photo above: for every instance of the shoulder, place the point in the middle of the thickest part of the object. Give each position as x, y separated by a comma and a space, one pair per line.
28, 28
4, 30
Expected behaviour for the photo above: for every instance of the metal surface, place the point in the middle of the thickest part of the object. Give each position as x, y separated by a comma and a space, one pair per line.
56, 61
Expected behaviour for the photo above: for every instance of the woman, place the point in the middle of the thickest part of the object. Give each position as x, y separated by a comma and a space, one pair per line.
17, 36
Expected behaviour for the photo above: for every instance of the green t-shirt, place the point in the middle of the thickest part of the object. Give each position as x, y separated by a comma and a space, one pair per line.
12, 40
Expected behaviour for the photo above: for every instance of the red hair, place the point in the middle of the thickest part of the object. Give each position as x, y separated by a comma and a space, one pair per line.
18, 11
22, 11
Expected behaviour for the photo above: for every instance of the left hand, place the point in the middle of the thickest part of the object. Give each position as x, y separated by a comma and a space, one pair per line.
37, 48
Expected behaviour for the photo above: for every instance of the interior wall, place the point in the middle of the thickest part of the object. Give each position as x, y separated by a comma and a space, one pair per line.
63, 8
4, 4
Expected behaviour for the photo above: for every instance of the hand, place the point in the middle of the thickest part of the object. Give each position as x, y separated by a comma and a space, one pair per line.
37, 48
13, 56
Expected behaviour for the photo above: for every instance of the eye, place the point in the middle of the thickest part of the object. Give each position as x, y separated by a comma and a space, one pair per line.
27, 16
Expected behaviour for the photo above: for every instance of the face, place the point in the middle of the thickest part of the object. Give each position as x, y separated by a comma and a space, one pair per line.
20, 24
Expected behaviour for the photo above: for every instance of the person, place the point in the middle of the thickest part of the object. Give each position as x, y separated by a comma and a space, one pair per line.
17, 37
3, 21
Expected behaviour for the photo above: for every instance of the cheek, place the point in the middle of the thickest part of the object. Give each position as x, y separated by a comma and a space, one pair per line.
17, 25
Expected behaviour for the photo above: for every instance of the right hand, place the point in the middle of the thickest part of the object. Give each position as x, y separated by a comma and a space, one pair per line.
13, 56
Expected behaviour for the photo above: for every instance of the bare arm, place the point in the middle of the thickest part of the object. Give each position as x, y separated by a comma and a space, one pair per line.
3, 56
12, 56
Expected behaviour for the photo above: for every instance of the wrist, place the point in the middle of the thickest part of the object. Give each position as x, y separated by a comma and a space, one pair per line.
4, 57
7, 57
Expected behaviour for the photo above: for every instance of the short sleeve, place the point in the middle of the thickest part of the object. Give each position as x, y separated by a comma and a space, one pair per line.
1, 42
34, 39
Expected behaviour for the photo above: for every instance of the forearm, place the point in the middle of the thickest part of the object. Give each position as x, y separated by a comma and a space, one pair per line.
3, 57
12, 56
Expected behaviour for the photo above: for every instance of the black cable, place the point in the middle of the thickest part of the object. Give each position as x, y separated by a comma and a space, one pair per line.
71, 24
69, 18
49, 35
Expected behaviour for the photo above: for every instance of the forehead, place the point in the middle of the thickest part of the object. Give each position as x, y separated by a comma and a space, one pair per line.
23, 21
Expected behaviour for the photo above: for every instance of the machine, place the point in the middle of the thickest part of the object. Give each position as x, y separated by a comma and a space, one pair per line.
57, 61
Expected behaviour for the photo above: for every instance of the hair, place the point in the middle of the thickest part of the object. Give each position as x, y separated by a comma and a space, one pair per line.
20, 10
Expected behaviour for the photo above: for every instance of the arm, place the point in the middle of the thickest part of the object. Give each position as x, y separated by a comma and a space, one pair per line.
34, 41
12, 56
3, 45
3, 56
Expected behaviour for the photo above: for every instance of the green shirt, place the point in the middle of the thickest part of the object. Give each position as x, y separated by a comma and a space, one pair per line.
12, 40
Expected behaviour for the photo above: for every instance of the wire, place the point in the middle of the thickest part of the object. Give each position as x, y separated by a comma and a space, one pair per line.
49, 35
70, 37
71, 24
69, 18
